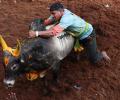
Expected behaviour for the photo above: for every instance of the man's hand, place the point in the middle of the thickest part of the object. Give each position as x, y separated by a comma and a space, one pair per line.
32, 34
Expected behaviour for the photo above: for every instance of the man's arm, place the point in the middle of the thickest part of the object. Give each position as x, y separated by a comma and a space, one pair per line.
49, 20
47, 33
51, 32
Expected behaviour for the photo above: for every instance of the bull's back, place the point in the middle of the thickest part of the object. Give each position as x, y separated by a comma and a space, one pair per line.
57, 47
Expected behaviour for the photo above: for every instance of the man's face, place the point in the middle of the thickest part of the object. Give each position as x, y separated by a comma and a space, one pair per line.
57, 14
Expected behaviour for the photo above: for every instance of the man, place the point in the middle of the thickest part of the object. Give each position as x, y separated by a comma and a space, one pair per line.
79, 28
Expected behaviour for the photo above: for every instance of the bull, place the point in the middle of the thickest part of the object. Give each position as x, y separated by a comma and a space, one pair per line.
35, 54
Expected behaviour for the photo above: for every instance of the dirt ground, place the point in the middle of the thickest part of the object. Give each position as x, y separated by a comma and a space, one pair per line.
78, 80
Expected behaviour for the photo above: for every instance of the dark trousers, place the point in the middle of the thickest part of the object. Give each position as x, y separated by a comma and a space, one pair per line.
90, 46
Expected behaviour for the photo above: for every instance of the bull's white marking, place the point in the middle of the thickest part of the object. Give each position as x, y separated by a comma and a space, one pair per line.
49, 26
22, 61
9, 82
62, 46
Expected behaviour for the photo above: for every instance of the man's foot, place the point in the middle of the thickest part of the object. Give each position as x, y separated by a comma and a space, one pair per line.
105, 61
105, 56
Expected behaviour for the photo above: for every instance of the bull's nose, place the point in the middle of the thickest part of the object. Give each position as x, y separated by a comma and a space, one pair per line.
9, 83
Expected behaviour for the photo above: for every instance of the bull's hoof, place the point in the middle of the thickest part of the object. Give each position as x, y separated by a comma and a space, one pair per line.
54, 88
56, 81
46, 92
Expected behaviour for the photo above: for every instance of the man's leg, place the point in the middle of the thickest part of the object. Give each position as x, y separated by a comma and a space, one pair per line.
93, 53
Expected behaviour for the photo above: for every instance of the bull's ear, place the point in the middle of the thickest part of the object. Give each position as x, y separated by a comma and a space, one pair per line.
16, 52
3, 43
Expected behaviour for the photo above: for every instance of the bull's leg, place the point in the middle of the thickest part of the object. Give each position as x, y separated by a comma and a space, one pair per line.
56, 71
46, 90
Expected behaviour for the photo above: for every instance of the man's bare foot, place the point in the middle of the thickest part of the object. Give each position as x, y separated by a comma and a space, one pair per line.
105, 61
105, 56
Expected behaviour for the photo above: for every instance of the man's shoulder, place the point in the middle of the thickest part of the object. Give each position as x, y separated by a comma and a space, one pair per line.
67, 17
67, 12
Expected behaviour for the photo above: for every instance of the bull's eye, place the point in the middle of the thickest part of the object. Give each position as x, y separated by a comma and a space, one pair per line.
14, 67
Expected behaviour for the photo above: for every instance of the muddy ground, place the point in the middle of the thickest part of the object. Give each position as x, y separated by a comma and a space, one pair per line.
93, 83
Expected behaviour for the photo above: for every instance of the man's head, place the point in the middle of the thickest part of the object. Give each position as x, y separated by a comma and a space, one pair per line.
57, 10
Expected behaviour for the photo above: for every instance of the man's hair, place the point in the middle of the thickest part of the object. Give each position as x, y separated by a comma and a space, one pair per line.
56, 6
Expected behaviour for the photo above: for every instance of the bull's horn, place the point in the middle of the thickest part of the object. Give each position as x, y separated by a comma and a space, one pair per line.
3, 43
16, 52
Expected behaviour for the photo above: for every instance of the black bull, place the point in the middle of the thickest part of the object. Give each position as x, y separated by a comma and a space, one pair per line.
35, 54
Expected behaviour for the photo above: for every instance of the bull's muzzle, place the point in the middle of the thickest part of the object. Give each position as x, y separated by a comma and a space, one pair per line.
9, 83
